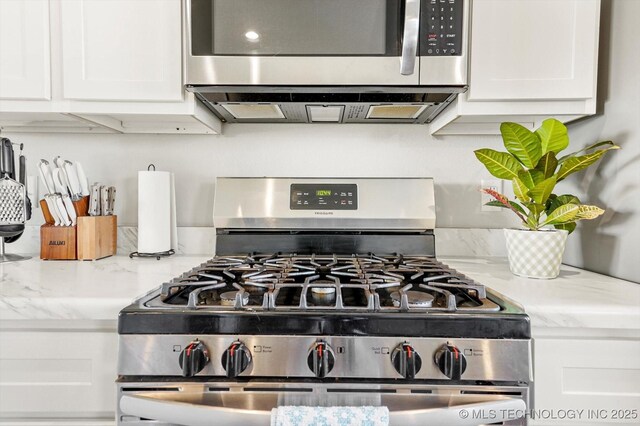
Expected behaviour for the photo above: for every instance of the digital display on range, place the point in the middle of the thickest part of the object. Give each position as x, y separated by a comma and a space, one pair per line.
339, 196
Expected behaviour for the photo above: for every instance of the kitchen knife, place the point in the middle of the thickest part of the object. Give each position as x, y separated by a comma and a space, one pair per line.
68, 205
82, 178
94, 200
62, 210
46, 176
64, 180
59, 162
60, 187
72, 177
104, 200
53, 209
111, 200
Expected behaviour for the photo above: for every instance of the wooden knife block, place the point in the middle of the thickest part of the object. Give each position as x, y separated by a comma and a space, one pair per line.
58, 242
97, 237
94, 237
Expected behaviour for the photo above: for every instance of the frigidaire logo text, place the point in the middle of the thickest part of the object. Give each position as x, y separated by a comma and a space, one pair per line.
56, 243
324, 213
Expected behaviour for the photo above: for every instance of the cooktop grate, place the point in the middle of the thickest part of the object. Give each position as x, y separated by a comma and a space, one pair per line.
360, 282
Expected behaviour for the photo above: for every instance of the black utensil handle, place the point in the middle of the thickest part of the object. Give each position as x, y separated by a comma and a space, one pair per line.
8, 163
22, 177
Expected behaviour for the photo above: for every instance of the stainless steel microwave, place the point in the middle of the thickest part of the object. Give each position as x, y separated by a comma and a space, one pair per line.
326, 42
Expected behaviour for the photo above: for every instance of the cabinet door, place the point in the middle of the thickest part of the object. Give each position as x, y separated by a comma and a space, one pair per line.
534, 49
601, 377
57, 374
24, 50
128, 50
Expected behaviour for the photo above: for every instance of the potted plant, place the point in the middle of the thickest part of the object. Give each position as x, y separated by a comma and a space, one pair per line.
533, 165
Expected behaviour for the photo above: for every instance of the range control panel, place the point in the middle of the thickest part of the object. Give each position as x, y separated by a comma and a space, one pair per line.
441, 29
320, 196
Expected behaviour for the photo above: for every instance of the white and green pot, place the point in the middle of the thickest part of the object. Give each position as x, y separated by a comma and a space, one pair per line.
535, 254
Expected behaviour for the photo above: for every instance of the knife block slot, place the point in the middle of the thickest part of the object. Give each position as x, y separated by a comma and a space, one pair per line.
94, 237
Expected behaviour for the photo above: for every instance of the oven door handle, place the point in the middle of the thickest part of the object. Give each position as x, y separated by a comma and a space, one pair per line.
187, 414
168, 411
410, 36
480, 413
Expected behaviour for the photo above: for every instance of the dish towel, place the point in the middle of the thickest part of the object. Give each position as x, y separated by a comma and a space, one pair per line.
329, 416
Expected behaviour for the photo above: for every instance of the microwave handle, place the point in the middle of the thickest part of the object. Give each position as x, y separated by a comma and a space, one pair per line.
410, 36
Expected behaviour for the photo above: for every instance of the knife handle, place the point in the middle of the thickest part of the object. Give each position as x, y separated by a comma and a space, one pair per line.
104, 200
94, 200
53, 209
48, 218
64, 215
70, 208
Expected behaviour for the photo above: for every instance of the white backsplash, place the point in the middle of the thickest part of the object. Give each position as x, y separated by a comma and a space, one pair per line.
194, 240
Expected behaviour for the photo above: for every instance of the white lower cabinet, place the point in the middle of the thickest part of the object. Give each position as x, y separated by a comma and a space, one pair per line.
597, 379
54, 377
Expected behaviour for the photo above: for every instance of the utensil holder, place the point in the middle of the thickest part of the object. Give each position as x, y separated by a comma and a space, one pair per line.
94, 237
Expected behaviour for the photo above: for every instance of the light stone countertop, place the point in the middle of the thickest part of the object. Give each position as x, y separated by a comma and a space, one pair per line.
97, 291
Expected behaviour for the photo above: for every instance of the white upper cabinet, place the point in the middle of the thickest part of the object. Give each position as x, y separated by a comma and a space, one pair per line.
534, 49
128, 50
24, 50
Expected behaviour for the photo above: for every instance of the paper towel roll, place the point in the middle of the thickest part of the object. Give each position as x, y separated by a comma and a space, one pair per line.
156, 211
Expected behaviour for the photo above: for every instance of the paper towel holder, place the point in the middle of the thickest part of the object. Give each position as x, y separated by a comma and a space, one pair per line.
157, 255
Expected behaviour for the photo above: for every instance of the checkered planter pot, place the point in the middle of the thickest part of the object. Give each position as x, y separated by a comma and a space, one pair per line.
535, 254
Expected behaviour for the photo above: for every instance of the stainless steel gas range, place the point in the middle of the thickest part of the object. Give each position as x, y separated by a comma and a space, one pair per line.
323, 292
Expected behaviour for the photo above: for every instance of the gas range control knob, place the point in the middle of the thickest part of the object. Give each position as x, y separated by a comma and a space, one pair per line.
193, 358
451, 362
406, 360
236, 359
321, 359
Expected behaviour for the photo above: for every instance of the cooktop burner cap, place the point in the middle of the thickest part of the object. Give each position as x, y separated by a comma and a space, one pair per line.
416, 299
228, 298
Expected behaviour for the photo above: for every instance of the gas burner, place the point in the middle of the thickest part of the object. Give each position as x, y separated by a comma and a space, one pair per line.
323, 290
228, 298
415, 299
330, 282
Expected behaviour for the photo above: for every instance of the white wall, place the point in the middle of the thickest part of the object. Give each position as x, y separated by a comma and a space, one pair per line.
611, 244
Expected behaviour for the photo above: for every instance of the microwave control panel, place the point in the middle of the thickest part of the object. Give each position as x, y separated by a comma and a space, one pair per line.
320, 196
441, 29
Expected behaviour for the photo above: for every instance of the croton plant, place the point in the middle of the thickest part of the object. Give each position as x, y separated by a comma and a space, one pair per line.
533, 165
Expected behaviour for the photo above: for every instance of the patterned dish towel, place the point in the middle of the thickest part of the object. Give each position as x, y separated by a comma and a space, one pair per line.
329, 416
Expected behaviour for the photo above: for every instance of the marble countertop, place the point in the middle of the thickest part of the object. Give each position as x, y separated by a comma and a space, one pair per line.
575, 299
59, 290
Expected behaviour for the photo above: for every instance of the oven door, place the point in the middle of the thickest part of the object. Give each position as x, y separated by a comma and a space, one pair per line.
250, 404
302, 42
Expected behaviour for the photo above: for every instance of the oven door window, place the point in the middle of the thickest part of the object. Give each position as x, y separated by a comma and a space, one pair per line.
296, 27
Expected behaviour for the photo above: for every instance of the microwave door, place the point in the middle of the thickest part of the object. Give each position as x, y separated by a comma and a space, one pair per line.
302, 42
